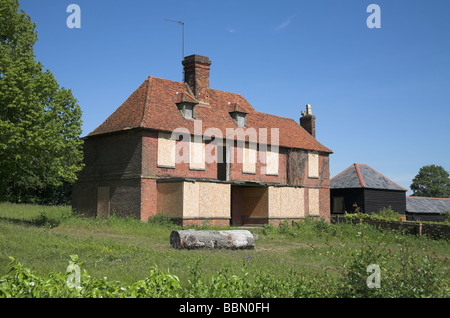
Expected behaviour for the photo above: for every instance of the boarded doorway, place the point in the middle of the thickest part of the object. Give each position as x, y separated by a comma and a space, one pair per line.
103, 202
249, 205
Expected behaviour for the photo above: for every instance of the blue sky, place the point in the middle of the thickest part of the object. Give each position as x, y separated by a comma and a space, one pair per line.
381, 96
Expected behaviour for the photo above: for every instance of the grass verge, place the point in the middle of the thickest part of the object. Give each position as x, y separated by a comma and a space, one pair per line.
307, 259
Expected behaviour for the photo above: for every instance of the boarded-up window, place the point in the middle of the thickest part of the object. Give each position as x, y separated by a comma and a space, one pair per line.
313, 165
272, 161
197, 155
166, 150
313, 199
286, 202
249, 158
103, 202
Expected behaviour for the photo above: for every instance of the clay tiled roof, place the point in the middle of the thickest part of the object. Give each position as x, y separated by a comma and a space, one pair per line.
154, 106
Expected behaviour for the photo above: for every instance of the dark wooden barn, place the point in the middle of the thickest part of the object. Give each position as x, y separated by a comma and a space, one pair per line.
426, 209
361, 186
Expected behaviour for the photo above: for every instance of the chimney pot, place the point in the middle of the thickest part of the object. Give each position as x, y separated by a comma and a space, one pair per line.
308, 121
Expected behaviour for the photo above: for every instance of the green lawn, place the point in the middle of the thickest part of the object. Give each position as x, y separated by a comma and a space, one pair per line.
124, 249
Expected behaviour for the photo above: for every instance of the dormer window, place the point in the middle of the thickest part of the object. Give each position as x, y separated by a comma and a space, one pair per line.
240, 118
187, 110
238, 114
186, 105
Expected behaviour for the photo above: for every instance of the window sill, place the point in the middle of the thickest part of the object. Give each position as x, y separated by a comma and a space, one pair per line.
197, 169
166, 167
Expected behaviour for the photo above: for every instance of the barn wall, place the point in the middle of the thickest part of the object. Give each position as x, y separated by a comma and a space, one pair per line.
351, 196
425, 216
374, 200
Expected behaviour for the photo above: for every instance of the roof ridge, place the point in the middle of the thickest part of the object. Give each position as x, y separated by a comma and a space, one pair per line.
144, 107
361, 181
283, 117
412, 196
383, 176
341, 172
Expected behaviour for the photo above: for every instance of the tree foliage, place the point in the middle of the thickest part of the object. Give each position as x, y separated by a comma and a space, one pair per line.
40, 122
431, 181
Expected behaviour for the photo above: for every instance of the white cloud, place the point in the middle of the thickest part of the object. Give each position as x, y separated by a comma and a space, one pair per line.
284, 24
231, 30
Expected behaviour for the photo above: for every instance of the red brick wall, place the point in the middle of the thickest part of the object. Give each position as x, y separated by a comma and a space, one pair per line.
150, 162
151, 169
112, 161
297, 166
324, 201
148, 198
127, 163
259, 175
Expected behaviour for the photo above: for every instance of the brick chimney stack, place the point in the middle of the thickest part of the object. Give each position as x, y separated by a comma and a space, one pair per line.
196, 75
308, 121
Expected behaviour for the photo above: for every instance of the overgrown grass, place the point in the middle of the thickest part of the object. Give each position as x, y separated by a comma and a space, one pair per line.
304, 259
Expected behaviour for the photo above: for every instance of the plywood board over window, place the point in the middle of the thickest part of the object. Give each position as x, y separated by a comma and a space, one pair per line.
313, 199
166, 150
313, 165
286, 202
272, 161
249, 158
197, 155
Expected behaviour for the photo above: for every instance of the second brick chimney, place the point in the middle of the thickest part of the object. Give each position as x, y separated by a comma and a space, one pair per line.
196, 75
308, 121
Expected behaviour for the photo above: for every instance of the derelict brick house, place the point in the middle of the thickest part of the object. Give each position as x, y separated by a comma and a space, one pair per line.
161, 151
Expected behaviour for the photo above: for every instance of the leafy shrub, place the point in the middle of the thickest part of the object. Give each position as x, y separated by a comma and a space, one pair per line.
390, 214
403, 274
410, 277
21, 282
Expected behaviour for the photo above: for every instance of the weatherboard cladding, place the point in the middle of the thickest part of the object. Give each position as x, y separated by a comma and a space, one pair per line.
377, 199
363, 176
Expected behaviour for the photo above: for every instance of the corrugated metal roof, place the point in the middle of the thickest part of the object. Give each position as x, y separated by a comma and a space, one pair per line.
363, 176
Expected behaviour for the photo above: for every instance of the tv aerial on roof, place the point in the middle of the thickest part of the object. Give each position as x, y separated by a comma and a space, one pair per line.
182, 35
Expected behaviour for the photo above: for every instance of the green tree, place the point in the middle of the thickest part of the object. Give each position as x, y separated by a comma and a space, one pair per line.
40, 122
431, 181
